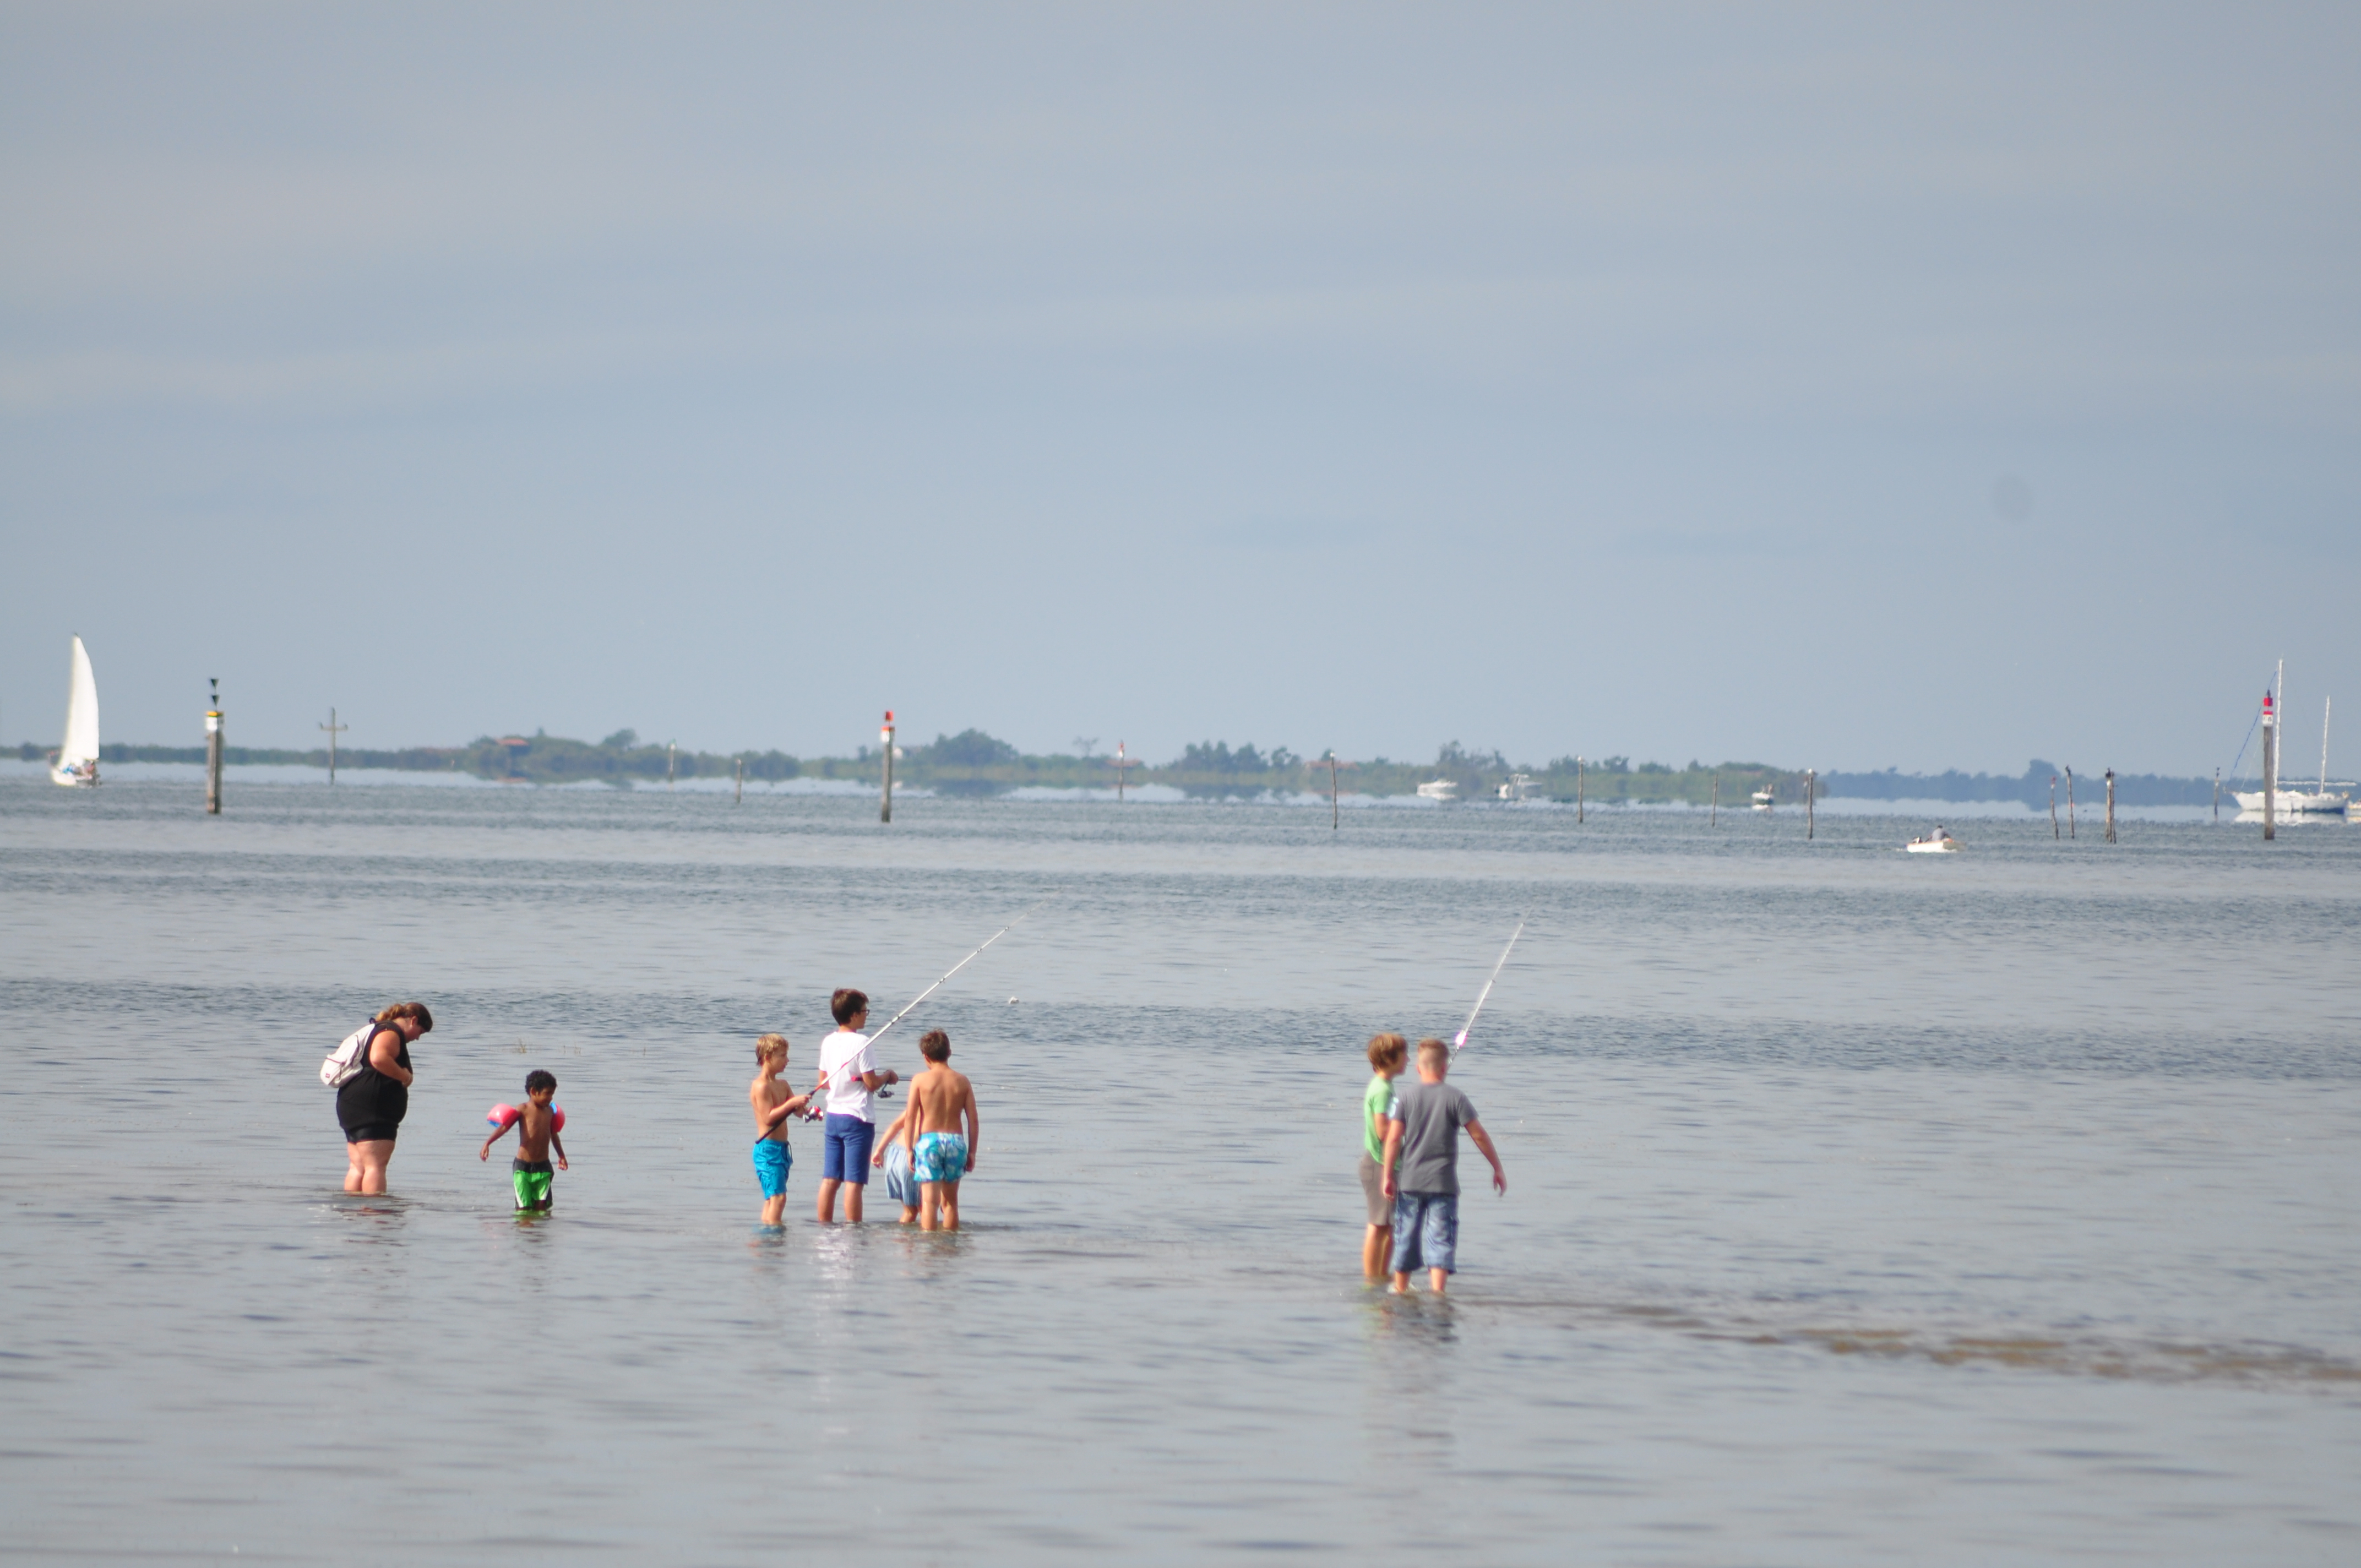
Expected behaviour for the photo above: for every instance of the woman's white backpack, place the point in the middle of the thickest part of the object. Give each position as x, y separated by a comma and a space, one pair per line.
351, 1055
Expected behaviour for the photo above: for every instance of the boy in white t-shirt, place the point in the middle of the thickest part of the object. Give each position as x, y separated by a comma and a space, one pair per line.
847, 1078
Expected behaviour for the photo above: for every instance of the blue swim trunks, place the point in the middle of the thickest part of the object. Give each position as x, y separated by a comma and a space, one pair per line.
1426, 1231
899, 1184
773, 1160
844, 1149
941, 1157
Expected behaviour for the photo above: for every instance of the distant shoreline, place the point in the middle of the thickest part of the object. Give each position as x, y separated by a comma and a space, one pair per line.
976, 764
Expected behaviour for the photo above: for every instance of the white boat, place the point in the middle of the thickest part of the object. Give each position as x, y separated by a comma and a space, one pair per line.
2321, 802
1763, 799
77, 762
1939, 843
1439, 789
1519, 787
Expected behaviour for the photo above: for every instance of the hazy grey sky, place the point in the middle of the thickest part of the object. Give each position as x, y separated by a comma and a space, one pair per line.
1842, 387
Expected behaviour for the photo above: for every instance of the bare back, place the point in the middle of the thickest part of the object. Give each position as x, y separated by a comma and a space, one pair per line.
942, 1101
534, 1125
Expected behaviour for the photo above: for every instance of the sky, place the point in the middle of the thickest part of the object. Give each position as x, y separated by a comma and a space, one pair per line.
1841, 387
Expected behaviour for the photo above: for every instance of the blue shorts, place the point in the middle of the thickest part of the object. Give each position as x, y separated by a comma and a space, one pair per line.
844, 1149
941, 1158
1426, 1231
773, 1160
900, 1186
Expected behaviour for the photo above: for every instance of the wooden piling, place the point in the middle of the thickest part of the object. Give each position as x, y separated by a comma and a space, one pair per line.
1578, 791
333, 730
2070, 803
2217, 798
213, 753
1811, 794
885, 736
2111, 806
672, 762
1714, 820
738, 796
2270, 770
2053, 807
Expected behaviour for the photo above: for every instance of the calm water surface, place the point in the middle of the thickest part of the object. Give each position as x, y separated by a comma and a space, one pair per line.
1861, 1209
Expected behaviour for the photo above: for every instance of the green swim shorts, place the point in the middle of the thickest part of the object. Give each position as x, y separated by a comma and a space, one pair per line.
532, 1183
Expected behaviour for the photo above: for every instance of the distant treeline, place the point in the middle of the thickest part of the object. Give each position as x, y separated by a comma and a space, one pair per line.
2033, 788
973, 762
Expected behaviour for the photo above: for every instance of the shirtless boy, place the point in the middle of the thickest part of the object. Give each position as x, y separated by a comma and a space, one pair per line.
942, 1131
775, 1105
536, 1136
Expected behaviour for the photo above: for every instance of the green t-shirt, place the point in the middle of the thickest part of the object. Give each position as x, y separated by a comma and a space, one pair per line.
1376, 1104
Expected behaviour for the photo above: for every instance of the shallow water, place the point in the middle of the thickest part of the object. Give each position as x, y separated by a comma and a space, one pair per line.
1861, 1208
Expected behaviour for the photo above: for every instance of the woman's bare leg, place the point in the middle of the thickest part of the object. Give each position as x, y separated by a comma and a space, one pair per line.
371, 1158
352, 1167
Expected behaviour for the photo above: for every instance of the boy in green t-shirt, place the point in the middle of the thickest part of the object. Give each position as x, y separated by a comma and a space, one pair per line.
1387, 1054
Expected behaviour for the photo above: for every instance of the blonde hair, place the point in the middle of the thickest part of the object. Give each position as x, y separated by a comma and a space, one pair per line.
402, 1010
1388, 1050
768, 1045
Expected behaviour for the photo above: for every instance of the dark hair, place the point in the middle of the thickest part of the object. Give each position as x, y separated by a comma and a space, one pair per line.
848, 1004
1388, 1050
935, 1046
1432, 1052
540, 1078
401, 1010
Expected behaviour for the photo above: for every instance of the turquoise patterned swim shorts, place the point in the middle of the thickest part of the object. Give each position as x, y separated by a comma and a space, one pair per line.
943, 1156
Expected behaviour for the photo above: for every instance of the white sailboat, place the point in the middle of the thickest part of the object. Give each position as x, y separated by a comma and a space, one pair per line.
77, 762
2321, 802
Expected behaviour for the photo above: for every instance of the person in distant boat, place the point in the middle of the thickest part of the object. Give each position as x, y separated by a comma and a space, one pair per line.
941, 1129
1421, 1168
1388, 1056
372, 1102
775, 1105
848, 1076
537, 1125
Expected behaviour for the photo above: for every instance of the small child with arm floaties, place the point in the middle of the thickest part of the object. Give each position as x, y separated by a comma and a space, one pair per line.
775, 1105
537, 1125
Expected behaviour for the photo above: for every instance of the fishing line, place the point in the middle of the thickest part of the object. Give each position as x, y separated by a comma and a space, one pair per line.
906, 1011
1486, 994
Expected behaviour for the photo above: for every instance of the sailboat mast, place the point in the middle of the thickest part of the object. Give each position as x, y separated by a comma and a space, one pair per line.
2325, 704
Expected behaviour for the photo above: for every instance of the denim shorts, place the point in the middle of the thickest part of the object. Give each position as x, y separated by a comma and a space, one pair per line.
1426, 1231
844, 1149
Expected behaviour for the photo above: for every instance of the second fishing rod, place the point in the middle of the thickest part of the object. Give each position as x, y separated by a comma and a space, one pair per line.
886, 1091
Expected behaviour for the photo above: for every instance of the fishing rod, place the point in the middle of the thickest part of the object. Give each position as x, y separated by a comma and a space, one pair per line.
1484, 995
947, 975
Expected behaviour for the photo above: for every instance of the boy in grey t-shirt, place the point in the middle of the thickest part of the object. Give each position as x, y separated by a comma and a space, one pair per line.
1422, 1167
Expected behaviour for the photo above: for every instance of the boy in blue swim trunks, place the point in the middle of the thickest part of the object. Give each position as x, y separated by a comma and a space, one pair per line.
942, 1131
775, 1106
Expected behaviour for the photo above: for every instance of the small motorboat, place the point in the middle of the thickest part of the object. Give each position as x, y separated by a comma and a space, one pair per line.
1765, 799
1939, 843
1439, 789
1519, 787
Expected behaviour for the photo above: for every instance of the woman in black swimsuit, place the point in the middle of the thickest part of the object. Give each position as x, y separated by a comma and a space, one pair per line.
372, 1102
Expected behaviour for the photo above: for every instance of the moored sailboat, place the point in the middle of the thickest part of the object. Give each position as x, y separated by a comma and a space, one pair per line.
77, 762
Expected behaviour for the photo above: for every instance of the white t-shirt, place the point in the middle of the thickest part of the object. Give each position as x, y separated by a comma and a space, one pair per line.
843, 1058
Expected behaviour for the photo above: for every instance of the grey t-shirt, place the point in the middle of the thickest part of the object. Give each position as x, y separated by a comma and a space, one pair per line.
1431, 1115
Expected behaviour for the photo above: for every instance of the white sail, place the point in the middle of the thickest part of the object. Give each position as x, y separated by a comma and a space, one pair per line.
78, 756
